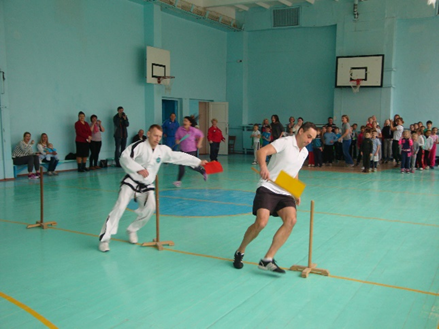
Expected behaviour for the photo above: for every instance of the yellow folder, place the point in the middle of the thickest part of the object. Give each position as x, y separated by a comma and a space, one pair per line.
290, 184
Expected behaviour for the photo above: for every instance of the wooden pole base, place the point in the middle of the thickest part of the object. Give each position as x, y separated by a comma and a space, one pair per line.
158, 244
306, 270
42, 225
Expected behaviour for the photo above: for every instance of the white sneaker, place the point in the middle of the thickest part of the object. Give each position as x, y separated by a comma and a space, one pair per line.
254, 162
177, 183
132, 237
104, 246
49, 173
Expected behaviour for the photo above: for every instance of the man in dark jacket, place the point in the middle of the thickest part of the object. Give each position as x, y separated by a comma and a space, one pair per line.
120, 121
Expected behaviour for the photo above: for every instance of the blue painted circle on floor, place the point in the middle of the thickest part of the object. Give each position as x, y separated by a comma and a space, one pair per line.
200, 202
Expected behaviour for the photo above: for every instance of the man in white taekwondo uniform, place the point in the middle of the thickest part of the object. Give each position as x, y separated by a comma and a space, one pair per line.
141, 161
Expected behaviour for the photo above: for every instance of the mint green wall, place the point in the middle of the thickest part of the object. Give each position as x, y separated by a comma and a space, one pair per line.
198, 58
417, 70
69, 56
237, 81
291, 73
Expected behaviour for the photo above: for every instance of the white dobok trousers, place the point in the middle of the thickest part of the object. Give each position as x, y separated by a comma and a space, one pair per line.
147, 206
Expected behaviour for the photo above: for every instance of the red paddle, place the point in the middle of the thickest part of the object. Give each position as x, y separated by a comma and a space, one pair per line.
213, 167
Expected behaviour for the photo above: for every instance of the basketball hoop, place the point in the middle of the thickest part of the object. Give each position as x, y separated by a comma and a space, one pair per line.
355, 85
166, 81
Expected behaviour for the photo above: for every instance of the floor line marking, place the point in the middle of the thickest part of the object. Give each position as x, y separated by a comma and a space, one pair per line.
385, 285
250, 263
26, 308
331, 276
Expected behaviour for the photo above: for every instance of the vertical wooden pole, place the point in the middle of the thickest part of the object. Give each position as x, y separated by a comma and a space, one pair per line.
311, 225
157, 209
41, 196
312, 268
156, 242
41, 222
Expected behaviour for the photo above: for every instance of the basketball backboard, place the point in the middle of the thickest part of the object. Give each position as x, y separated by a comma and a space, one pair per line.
369, 69
158, 64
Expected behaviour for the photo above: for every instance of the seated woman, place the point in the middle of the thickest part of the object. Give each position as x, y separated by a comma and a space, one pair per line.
48, 154
24, 154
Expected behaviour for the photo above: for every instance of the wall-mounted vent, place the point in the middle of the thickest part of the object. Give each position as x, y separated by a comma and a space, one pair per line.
286, 17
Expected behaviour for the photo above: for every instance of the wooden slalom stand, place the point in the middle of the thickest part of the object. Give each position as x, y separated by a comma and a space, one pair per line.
311, 268
41, 222
156, 242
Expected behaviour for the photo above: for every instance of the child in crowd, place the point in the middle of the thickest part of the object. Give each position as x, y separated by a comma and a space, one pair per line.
366, 149
375, 151
329, 139
429, 125
360, 139
337, 145
354, 136
256, 136
406, 145
51, 149
290, 131
420, 156
434, 137
311, 162
427, 149
317, 148
266, 138
415, 150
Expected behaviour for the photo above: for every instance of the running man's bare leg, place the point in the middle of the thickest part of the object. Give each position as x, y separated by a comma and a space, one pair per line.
289, 217
252, 232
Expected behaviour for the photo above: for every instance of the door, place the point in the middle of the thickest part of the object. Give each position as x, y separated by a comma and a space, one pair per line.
169, 106
220, 111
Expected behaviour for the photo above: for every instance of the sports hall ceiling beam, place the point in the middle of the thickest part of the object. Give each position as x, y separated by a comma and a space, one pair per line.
248, 3
286, 3
263, 5
242, 7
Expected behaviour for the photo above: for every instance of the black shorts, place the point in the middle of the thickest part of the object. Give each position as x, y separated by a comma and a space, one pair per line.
274, 202
82, 150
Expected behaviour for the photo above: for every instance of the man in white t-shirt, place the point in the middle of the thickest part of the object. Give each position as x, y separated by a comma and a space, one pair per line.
288, 154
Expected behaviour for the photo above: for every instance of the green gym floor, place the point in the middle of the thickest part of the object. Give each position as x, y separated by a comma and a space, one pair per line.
377, 234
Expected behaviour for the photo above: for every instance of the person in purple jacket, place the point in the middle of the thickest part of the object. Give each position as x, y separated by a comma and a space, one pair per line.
190, 140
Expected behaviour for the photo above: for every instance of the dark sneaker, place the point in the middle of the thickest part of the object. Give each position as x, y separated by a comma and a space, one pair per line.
270, 266
237, 263
203, 172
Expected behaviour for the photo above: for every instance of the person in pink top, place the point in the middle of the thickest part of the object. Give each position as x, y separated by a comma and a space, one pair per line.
190, 140
434, 137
